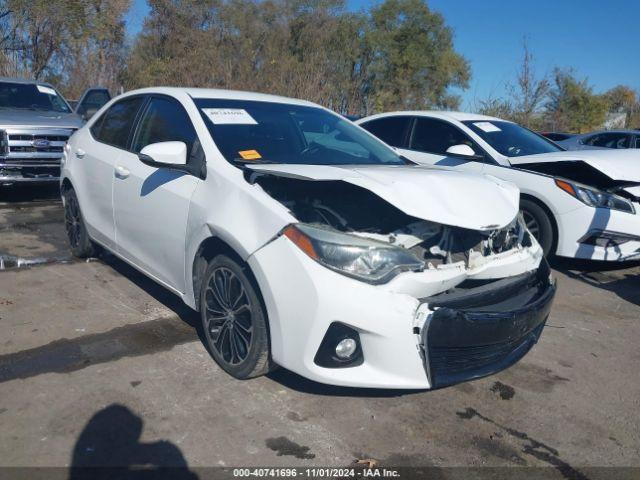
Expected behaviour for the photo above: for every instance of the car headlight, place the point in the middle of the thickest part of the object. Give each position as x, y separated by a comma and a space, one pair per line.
596, 198
362, 258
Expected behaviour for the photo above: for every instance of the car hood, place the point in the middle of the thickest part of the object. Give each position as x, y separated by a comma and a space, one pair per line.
623, 165
17, 117
460, 199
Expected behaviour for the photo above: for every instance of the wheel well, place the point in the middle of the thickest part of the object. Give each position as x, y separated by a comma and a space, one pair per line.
66, 185
208, 249
552, 218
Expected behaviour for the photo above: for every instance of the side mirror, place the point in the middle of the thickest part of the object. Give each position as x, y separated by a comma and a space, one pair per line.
165, 155
463, 151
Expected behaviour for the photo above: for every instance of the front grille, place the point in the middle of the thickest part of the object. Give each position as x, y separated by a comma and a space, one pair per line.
453, 362
479, 331
33, 147
39, 136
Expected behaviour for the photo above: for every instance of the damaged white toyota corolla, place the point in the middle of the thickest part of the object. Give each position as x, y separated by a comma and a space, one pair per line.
306, 242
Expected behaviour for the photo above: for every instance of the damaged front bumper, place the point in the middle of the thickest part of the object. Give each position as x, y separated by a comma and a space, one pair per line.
472, 333
398, 327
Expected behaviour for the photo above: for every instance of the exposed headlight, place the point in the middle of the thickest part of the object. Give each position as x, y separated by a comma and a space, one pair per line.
361, 258
596, 198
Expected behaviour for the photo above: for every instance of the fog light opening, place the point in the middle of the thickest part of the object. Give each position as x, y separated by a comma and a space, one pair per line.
346, 348
340, 347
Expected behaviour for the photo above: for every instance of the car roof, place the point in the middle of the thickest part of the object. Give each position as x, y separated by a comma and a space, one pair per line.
24, 81
445, 115
597, 132
214, 93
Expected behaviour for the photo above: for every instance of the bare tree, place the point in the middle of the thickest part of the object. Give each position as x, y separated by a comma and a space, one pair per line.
530, 91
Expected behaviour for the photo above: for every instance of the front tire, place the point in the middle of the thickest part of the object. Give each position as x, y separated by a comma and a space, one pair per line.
234, 320
79, 241
539, 224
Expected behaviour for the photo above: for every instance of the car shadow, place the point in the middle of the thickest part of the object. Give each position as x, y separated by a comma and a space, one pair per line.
29, 193
109, 447
157, 291
622, 278
295, 382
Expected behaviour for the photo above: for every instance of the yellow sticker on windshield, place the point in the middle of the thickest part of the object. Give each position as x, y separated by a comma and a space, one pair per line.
250, 154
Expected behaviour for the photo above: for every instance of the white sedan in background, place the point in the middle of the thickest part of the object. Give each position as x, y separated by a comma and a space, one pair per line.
582, 204
305, 242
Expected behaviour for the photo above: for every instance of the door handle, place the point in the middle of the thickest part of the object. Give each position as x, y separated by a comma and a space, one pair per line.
122, 172
80, 153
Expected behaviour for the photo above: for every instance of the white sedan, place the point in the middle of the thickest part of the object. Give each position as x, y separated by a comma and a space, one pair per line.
581, 204
305, 242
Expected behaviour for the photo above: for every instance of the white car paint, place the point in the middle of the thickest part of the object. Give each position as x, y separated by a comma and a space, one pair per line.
573, 219
158, 219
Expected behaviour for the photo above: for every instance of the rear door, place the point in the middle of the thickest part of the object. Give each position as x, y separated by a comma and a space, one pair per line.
92, 100
151, 205
96, 153
431, 137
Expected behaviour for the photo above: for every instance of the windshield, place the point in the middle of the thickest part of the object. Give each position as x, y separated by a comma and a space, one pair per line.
32, 97
510, 139
254, 132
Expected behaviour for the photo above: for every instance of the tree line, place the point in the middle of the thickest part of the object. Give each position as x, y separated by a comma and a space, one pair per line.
397, 54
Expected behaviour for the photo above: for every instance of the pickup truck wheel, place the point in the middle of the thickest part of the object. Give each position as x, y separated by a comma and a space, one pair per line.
233, 319
79, 241
539, 224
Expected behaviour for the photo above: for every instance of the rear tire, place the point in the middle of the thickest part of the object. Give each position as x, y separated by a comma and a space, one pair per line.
234, 320
539, 224
79, 241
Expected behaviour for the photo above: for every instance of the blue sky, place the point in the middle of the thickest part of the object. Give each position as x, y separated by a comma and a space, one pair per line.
599, 39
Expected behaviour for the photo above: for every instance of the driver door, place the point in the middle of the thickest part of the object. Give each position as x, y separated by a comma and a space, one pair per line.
429, 140
151, 205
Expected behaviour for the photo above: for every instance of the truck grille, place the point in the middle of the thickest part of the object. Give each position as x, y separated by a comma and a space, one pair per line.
33, 147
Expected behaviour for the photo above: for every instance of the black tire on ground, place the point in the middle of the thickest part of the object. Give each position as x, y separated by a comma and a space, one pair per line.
234, 321
539, 224
79, 241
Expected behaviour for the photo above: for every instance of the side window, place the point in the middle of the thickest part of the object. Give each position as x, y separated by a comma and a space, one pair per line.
436, 136
638, 141
391, 130
115, 124
165, 120
610, 140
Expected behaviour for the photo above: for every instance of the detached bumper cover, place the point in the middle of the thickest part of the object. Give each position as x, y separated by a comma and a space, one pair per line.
486, 329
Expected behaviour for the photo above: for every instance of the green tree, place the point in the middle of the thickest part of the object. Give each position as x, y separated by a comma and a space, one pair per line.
413, 61
74, 43
622, 99
312, 49
572, 105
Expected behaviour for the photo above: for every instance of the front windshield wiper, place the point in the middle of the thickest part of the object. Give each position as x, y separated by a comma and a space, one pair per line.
242, 161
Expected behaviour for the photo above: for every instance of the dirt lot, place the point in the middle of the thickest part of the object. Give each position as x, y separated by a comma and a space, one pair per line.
99, 366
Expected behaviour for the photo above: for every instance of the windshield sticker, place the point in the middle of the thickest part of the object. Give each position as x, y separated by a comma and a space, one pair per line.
47, 90
487, 127
250, 154
229, 116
